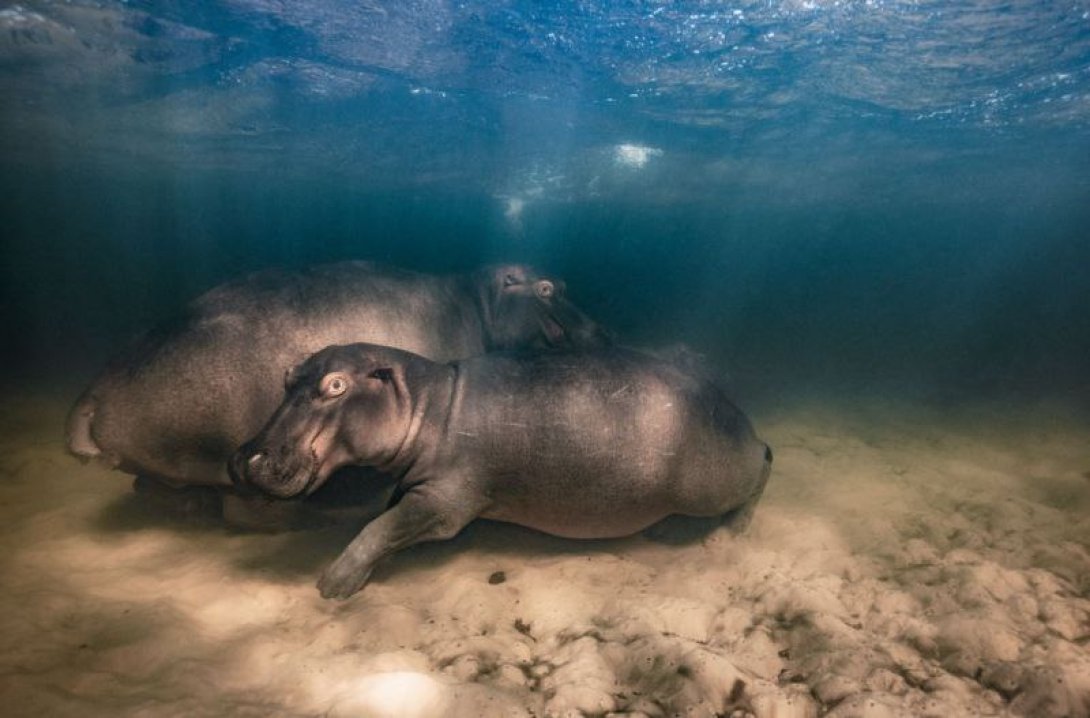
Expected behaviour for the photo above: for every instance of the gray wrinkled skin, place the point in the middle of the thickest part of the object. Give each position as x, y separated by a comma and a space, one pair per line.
577, 444
177, 404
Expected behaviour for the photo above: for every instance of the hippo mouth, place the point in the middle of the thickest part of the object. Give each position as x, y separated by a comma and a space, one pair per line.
554, 332
285, 469
301, 477
321, 463
565, 326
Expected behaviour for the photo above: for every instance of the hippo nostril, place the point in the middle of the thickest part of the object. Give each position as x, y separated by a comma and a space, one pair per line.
239, 468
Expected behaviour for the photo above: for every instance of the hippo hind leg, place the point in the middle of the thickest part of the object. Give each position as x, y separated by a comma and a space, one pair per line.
737, 520
690, 527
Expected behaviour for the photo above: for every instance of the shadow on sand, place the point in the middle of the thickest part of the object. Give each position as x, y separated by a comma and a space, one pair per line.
302, 553
301, 537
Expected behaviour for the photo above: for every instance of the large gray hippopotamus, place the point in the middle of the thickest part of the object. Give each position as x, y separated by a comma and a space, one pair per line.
177, 404
590, 444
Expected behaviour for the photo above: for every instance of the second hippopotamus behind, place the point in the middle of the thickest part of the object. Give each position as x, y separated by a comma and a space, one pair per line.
577, 444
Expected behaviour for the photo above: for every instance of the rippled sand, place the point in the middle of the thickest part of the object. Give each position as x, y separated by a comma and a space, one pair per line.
903, 563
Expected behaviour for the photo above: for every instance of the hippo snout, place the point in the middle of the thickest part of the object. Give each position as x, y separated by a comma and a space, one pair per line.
256, 467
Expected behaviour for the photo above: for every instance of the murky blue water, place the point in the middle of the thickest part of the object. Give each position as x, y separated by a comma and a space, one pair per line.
819, 195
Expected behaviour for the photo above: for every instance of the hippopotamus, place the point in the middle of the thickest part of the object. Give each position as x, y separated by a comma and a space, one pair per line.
579, 444
178, 403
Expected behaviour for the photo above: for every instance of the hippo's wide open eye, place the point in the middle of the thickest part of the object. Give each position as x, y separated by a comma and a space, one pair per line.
334, 384
544, 288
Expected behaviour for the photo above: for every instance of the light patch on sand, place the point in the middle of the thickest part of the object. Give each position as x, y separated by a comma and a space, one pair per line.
397, 694
902, 563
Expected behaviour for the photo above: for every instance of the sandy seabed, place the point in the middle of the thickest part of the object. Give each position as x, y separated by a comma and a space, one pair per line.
904, 562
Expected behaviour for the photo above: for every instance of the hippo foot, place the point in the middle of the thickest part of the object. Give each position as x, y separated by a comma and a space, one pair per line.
418, 517
342, 579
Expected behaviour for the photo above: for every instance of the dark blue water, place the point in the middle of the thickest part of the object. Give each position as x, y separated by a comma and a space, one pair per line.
822, 196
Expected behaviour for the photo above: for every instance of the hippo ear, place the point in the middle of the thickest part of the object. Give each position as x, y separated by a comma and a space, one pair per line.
290, 375
511, 275
384, 374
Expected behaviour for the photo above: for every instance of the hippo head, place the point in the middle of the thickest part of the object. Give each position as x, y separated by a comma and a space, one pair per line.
524, 309
344, 404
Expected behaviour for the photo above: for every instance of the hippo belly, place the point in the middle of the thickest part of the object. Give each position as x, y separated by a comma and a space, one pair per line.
578, 520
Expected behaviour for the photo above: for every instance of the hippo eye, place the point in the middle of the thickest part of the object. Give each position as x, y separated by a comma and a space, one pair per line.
544, 289
334, 385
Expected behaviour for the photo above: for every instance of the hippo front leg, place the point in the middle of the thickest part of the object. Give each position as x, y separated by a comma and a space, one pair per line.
422, 515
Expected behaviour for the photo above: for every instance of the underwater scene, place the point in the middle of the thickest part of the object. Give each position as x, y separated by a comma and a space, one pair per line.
635, 358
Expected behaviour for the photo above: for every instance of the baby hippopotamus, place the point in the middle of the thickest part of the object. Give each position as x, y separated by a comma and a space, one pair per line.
594, 444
